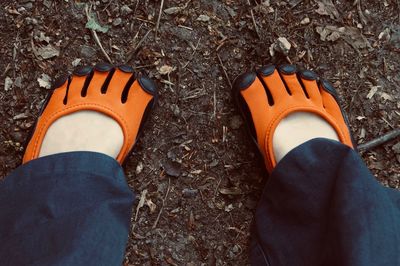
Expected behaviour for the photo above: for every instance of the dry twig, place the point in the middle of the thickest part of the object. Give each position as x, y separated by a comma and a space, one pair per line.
379, 140
96, 37
133, 51
223, 68
163, 203
192, 55
254, 20
159, 17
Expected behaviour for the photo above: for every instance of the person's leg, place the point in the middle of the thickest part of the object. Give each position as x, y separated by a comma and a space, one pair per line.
65, 209
69, 203
322, 206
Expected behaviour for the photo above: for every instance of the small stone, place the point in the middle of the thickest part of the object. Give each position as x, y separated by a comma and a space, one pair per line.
28, 5
281, 45
203, 18
117, 22
31, 21
236, 122
17, 136
396, 148
175, 109
18, 82
189, 193
47, 3
8, 82
21, 9
126, 10
76, 62
305, 21
139, 168
87, 51
172, 168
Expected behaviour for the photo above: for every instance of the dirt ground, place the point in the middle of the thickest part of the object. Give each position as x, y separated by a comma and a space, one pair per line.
195, 168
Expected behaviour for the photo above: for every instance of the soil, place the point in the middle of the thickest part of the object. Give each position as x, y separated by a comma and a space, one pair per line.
198, 172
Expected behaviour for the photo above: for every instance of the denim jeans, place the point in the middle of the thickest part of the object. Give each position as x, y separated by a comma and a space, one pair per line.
320, 206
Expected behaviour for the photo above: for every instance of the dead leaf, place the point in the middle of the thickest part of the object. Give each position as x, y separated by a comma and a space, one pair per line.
92, 24
386, 96
165, 69
372, 92
351, 35
264, 8
44, 81
48, 52
141, 202
203, 18
151, 205
327, 8
329, 33
175, 9
230, 191
139, 168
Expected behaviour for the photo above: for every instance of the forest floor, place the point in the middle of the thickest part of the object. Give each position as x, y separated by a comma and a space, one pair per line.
195, 167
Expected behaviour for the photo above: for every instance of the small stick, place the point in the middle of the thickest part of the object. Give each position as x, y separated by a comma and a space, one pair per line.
379, 140
254, 20
223, 68
133, 52
192, 56
96, 38
159, 17
163, 203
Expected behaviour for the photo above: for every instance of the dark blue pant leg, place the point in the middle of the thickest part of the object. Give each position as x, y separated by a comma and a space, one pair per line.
65, 209
322, 206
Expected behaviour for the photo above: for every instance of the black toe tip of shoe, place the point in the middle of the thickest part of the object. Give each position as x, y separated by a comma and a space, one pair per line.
267, 70
148, 85
326, 85
244, 81
59, 81
83, 71
126, 68
308, 75
288, 69
103, 67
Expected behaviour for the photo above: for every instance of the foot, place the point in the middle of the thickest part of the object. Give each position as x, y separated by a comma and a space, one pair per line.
285, 108
98, 109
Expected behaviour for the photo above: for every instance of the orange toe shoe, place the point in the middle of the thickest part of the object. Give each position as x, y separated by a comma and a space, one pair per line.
266, 97
114, 91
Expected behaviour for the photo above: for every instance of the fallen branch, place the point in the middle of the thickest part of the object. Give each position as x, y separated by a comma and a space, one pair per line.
379, 140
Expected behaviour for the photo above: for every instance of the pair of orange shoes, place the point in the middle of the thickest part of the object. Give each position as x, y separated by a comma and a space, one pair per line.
264, 99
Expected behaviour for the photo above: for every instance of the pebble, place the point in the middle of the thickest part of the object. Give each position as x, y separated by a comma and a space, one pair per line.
203, 18
18, 82
189, 193
126, 10
87, 51
172, 168
396, 148
117, 22
28, 5
305, 21
236, 122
